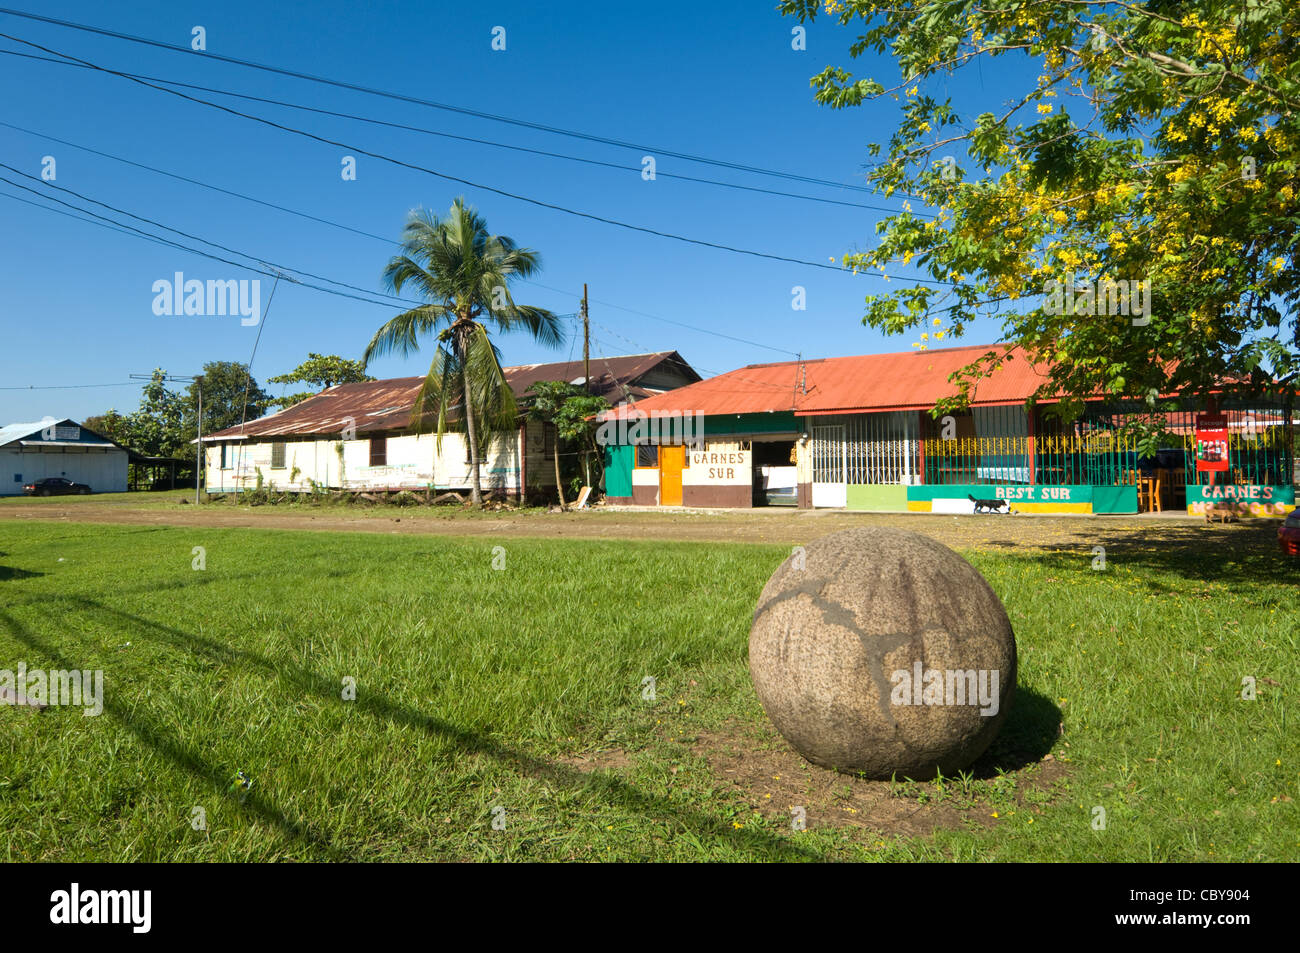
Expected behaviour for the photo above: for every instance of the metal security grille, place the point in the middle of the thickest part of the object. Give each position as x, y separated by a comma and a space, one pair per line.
1093, 451
880, 448
828, 455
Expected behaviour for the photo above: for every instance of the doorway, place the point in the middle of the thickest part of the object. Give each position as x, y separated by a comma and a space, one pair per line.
671, 462
830, 474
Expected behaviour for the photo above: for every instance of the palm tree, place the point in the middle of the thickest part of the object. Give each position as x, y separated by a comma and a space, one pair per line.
464, 273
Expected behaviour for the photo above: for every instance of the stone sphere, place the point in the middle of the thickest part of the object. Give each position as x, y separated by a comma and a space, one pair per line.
883, 652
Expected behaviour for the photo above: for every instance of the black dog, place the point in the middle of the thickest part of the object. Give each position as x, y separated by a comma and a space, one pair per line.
988, 506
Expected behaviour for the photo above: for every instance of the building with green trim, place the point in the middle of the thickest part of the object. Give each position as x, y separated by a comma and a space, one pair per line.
857, 433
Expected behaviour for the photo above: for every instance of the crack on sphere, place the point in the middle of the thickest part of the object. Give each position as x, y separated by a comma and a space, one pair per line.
876, 647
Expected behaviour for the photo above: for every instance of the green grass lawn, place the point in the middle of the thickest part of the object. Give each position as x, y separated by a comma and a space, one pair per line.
480, 688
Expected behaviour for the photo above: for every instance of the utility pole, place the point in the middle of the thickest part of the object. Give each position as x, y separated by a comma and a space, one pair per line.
198, 450
586, 343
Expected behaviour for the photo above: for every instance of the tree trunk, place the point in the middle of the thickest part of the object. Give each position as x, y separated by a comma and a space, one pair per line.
559, 487
475, 490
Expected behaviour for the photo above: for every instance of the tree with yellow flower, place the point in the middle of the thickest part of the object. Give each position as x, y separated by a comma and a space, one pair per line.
1158, 143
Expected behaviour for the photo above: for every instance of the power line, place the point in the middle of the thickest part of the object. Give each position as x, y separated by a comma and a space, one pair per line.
201, 184
67, 386
197, 238
451, 178
355, 231
401, 97
139, 234
56, 211
485, 142
177, 245
680, 324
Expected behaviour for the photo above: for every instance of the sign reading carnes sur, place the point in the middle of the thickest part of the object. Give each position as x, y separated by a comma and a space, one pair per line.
719, 468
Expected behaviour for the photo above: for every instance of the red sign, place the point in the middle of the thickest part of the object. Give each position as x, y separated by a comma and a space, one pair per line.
1211, 443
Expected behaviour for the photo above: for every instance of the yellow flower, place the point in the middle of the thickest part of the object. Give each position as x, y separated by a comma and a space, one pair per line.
1044, 108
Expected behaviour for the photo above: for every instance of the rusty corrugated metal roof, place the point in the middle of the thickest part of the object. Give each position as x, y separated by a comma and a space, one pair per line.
366, 406
913, 380
376, 406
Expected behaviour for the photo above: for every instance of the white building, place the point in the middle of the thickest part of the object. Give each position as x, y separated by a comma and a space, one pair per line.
358, 436
59, 448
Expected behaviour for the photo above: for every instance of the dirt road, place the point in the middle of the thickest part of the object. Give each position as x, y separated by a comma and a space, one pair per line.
782, 526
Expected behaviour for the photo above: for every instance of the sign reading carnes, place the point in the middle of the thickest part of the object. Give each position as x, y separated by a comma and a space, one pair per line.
1255, 499
719, 468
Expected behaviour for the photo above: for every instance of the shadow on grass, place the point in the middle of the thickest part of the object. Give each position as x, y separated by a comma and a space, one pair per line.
9, 572
1246, 552
380, 707
185, 757
1032, 725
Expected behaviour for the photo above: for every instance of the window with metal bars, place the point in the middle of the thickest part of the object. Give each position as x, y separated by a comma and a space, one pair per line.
878, 448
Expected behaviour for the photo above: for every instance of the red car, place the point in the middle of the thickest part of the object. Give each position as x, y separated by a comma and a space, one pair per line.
1288, 534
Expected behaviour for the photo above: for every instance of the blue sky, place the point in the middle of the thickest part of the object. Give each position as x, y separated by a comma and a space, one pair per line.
717, 80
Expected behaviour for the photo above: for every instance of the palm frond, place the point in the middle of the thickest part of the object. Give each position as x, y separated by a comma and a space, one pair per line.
494, 401
439, 395
401, 333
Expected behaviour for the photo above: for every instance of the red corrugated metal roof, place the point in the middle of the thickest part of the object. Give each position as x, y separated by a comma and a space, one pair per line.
913, 380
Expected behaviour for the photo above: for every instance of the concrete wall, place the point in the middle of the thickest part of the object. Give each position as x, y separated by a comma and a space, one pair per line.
1026, 499
884, 497
804, 472
104, 471
699, 488
645, 486
413, 461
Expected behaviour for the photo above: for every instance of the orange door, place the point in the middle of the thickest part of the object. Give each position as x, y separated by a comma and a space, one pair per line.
671, 461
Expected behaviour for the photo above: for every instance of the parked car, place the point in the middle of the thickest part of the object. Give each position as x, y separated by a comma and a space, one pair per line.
1288, 534
54, 486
